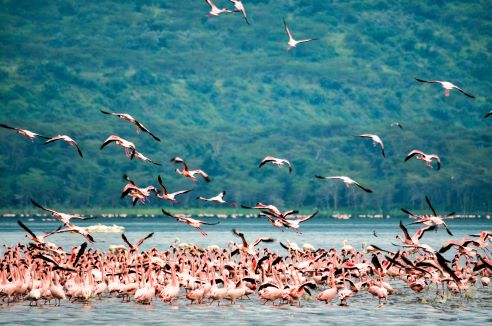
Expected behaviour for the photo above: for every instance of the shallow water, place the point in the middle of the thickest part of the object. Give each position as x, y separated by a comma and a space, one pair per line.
405, 307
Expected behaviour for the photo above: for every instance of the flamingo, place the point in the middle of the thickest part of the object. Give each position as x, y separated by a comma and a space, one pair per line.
396, 123
128, 146
62, 217
295, 223
348, 181
219, 199
246, 246
239, 7
446, 85
292, 42
276, 161
214, 10
129, 118
75, 229
26, 133
138, 193
134, 247
38, 239
189, 173
190, 221
144, 158
66, 139
375, 140
427, 158
169, 196
414, 240
432, 219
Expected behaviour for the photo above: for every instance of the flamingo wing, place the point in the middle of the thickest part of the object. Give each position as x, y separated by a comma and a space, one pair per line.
428, 81
141, 240
287, 30
430, 206
462, 91
79, 253
26, 229
412, 154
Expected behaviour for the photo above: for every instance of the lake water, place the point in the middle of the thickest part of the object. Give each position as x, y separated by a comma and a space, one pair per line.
405, 307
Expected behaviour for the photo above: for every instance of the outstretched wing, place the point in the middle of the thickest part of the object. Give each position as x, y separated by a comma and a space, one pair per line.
139, 241
26, 229
43, 208
430, 206
80, 253
123, 236
362, 187
427, 81
412, 154
287, 30
463, 92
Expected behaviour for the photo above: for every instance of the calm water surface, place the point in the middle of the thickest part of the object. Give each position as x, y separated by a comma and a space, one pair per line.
403, 308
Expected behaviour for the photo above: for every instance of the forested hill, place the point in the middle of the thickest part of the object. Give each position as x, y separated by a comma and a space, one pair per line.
223, 95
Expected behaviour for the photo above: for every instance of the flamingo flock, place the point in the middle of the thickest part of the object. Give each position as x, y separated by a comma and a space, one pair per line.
40, 274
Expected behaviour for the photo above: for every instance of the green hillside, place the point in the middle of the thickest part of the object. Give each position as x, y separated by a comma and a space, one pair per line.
223, 95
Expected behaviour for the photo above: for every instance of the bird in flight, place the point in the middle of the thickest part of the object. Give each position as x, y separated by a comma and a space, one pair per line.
128, 146
219, 199
26, 133
187, 173
376, 140
427, 158
190, 221
214, 10
169, 196
276, 161
239, 7
446, 85
129, 118
293, 42
348, 181
67, 139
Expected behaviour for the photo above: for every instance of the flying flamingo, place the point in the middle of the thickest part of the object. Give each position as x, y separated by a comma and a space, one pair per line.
134, 247
64, 218
433, 219
276, 161
375, 141
190, 221
446, 85
250, 249
67, 139
26, 133
219, 199
413, 240
214, 10
239, 7
169, 196
292, 42
348, 181
427, 158
128, 146
144, 158
38, 239
75, 229
294, 223
189, 173
129, 118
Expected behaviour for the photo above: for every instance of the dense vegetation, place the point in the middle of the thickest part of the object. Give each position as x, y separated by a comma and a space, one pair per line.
223, 95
